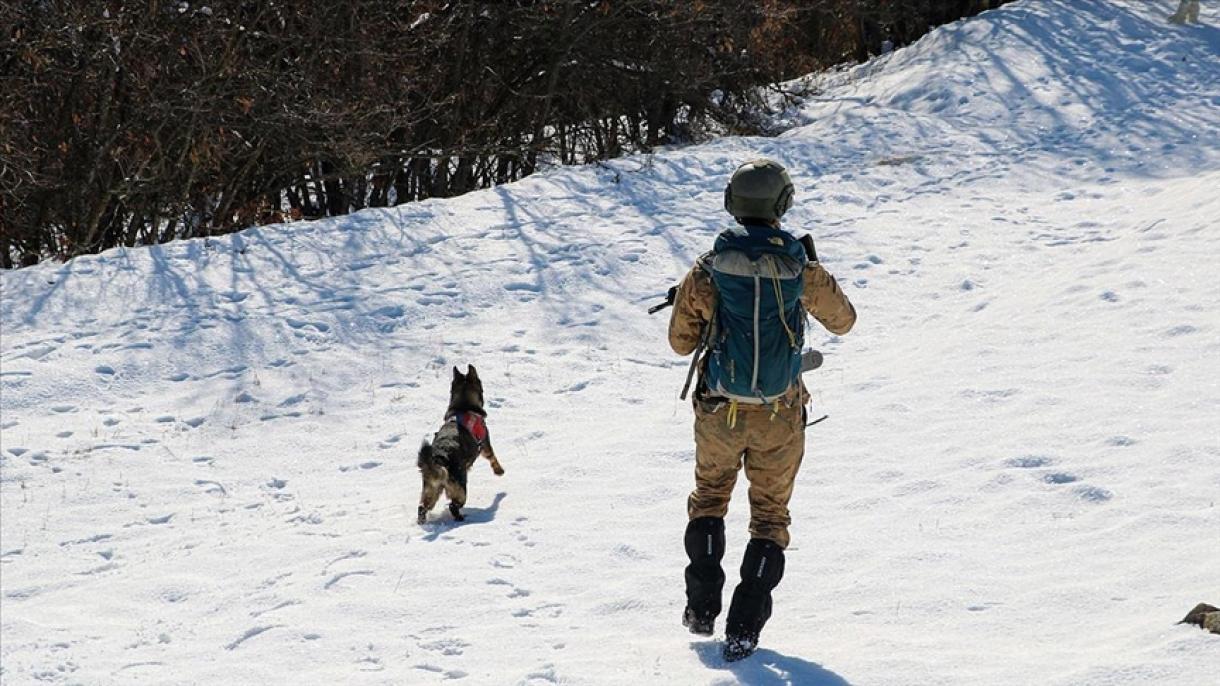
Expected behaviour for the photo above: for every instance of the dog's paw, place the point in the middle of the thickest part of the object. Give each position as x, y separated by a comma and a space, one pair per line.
499, 471
456, 512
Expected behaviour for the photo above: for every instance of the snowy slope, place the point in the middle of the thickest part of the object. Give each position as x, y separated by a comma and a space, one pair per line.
207, 472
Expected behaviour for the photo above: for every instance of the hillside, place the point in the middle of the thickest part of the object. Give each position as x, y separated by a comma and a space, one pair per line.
208, 474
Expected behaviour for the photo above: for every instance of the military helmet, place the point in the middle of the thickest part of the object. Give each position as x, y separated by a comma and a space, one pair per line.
759, 189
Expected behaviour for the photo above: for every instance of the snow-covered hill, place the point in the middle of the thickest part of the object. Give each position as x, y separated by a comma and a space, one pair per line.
208, 473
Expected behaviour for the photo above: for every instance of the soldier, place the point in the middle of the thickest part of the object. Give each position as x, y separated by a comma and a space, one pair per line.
746, 300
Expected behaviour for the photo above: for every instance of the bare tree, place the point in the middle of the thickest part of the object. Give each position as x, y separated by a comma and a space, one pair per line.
125, 122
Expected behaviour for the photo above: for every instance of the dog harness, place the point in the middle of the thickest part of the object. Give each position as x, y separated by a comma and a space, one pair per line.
474, 424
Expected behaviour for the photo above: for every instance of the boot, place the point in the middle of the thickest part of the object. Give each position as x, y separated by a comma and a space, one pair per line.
761, 570
704, 577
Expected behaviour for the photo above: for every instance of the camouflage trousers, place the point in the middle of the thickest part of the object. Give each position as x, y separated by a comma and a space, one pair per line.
769, 444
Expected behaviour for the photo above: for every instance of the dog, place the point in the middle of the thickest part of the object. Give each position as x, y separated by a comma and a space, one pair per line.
462, 439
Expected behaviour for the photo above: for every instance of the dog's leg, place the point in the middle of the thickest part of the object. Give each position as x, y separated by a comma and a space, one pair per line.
457, 498
490, 454
427, 499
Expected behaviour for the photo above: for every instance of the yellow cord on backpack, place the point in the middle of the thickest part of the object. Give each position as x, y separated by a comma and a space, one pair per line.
775, 410
732, 418
779, 300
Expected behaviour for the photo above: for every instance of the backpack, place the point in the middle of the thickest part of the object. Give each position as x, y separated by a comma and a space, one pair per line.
759, 329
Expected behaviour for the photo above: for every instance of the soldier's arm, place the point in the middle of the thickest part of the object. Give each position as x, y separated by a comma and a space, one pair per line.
823, 299
692, 308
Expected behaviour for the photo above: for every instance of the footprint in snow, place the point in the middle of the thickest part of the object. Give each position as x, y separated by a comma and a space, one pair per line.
1028, 462
445, 646
574, 388
546, 611
1093, 494
504, 561
1181, 330
514, 591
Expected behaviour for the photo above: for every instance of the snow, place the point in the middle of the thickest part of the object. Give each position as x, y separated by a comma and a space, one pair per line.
208, 476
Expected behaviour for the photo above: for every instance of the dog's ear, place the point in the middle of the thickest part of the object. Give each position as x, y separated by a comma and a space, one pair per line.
456, 374
471, 372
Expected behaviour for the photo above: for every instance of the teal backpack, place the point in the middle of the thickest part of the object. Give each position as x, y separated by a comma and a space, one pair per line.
759, 329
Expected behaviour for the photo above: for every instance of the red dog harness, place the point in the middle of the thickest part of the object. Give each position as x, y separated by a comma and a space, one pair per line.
474, 424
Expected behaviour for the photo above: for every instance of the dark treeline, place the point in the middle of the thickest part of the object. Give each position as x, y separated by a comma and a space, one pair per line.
125, 122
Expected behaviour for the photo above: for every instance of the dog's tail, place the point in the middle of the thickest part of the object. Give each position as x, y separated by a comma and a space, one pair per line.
425, 459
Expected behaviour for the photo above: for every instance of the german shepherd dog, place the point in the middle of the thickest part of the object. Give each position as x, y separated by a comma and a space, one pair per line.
461, 440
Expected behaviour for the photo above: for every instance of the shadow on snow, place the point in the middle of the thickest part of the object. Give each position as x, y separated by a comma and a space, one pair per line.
474, 515
768, 668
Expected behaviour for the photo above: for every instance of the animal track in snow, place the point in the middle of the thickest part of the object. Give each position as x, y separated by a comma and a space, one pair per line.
212, 487
228, 373
96, 538
351, 555
447, 673
251, 633
343, 575
514, 590
279, 606
304, 326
